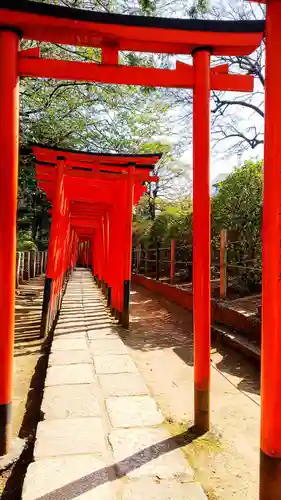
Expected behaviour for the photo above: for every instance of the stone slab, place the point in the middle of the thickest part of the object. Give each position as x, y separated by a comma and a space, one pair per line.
97, 314
133, 411
70, 401
94, 323
70, 334
72, 308
101, 333
150, 489
69, 357
70, 436
70, 327
81, 373
72, 302
148, 452
77, 316
94, 301
15, 450
80, 477
123, 384
70, 323
107, 346
114, 364
60, 344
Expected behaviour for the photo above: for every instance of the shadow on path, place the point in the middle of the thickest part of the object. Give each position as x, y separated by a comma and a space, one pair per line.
87, 483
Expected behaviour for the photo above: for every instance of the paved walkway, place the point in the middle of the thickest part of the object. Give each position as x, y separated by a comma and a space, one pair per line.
102, 436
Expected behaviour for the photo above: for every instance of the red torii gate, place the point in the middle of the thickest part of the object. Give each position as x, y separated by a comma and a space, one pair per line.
93, 195
114, 33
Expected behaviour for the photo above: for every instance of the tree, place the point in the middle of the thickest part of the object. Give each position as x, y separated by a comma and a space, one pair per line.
95, 117
173, 220
170, 172
237, 119
238, 208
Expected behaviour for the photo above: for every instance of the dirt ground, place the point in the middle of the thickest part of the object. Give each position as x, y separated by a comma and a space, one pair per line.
226, 460
28, 360
247, 305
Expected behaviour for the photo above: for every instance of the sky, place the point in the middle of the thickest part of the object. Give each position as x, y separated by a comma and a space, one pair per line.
221, 165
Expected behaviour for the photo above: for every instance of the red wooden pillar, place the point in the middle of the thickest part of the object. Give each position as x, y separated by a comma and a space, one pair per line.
172, 261
103, 246
127, 248
270, 468
8, 205
117, 254
52, 250
9, 123
201, 238
106, 249
109, 259
94, 256
98, 253
114, 257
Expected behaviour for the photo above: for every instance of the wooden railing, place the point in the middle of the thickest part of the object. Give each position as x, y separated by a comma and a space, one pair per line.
29, 264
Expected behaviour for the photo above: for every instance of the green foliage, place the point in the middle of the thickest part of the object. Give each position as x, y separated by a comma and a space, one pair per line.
172, 221
33, 217
148, 6
80, 115
238, 204
25, 241
199, 6
238, 208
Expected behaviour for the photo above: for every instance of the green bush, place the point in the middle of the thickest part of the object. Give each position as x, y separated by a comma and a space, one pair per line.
25, 242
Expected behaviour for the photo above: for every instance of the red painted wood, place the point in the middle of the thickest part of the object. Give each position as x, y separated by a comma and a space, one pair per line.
201, 222
128, 38
271, 281
128, 75
9, 124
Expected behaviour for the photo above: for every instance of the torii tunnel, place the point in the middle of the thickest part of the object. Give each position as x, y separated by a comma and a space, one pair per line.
92, 196
81, 212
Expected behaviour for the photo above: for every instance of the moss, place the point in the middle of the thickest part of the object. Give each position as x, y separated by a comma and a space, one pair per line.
198, 451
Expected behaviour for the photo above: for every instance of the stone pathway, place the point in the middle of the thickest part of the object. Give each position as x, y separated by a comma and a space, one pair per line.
102, 436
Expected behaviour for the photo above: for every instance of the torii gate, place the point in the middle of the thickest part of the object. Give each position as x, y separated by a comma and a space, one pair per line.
114, 33
92, 191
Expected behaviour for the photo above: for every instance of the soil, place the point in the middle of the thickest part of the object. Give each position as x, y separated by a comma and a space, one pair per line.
248, 306
29, 361
226, 460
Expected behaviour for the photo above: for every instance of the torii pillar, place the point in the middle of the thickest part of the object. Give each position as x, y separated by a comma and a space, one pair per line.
270, 466
9, 136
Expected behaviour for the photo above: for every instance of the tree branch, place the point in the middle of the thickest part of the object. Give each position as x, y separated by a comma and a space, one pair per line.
221, 103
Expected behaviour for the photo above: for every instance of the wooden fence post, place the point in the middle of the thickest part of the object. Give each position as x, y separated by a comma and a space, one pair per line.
21, 254
223, 263
138, 258
134, 259
32, 264
37, 268
44, 261
172, 261
26, 270
157, 261
145, 261
18, 269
